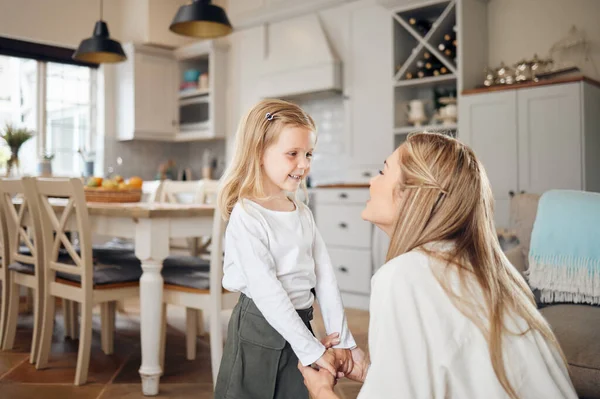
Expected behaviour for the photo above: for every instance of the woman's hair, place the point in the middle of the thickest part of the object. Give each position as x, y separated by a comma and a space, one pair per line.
257, 130
446, 196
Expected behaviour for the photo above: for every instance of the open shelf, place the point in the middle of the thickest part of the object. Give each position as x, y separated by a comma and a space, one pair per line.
431, 81
429, 128
193, 93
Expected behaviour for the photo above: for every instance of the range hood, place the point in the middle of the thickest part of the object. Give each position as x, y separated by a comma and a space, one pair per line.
299, 60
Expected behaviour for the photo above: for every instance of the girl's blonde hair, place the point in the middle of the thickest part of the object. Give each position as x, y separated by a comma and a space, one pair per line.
447, 197
257, 130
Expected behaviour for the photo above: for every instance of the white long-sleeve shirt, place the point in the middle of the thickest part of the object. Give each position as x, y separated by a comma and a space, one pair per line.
422, 346
276, 258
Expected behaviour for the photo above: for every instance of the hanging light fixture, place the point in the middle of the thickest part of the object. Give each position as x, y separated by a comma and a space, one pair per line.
100, 48
201, 19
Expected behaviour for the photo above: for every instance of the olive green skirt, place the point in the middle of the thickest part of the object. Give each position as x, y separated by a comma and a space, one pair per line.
258, 363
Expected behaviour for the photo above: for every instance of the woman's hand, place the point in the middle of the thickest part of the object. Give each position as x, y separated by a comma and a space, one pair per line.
319, 383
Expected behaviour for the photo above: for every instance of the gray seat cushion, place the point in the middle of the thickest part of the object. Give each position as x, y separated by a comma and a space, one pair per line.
22, 267
108, 273
577, 329
185, 276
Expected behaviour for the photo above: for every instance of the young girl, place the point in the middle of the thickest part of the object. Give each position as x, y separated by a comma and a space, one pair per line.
276, 259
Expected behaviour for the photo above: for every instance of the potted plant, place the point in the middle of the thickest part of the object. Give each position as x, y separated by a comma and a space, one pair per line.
14, 137
45, 165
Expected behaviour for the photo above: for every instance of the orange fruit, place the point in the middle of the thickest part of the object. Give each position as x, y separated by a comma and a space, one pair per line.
135, 182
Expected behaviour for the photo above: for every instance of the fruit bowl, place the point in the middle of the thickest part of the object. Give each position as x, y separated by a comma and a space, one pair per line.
102, 194
115, 189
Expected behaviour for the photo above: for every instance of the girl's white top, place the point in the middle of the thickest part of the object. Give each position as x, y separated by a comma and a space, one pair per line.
422, 346
276, 258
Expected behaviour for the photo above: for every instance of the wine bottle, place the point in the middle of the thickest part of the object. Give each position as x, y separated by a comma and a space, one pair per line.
420, 25
420, 64
409, 75
436, 72
433, 65
443, 70
426, 55
448, 37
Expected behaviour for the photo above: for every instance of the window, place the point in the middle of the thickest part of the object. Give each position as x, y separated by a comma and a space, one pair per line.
64, 94
69, 112
18, 106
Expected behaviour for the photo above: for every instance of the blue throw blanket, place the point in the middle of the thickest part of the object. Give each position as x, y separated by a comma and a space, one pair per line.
564, 257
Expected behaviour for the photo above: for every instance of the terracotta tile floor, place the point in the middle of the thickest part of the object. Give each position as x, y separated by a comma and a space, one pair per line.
116, 376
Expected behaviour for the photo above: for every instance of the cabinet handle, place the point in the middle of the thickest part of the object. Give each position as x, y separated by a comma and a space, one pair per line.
343, 195
366, 174
522, 191
511, 193
343, 225
343, 269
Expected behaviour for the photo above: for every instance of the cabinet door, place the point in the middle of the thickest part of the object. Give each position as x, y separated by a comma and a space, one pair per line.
155, 95
488, 124
370, 88
550, 138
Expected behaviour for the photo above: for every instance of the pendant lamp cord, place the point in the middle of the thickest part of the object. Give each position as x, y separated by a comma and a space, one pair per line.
101, 10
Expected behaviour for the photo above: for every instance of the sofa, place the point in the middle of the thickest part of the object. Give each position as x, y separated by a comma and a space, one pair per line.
577, 327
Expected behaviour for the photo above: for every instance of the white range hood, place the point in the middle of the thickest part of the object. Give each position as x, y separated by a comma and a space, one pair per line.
299, 60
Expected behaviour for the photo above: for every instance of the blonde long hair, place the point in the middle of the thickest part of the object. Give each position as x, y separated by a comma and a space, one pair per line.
258, 129
447, 197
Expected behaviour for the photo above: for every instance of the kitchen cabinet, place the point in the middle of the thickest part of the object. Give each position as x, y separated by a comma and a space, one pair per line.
250, 13
357, 249
371, 97
146, 100
535, 139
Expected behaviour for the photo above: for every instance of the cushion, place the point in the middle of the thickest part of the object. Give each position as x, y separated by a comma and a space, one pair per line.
108, 273
576, 328
523, 209
185, 276
26, 268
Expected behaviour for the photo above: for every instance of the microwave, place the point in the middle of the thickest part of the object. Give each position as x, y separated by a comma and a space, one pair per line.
194, 114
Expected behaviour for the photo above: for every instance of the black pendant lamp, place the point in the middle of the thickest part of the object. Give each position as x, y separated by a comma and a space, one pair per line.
202, 20
100, 48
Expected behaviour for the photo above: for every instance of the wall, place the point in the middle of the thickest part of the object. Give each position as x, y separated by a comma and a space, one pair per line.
520, 28
58, 22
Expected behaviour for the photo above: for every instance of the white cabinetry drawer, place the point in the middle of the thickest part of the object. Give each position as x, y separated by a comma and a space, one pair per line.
342, 225
342, 196
352, 269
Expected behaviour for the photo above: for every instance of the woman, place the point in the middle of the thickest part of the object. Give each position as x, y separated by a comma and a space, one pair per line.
450, 316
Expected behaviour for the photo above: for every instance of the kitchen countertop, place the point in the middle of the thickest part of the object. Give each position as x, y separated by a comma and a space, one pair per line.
344, 185
569, 79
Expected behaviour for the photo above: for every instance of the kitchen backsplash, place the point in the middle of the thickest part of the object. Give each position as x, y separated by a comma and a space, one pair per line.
142, 158
328, 112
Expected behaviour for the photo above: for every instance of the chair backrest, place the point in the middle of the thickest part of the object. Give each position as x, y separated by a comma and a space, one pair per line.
23, 228
62, 208
198, 191
216, 255
4, 242
151, 190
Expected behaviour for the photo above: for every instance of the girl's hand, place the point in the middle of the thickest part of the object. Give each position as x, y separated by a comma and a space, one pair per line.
319, 383
327, 362
343, 361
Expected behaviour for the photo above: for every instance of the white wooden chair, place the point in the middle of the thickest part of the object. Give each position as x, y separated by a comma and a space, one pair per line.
77, 280
4, 262
200, 291
182, 192
25, 266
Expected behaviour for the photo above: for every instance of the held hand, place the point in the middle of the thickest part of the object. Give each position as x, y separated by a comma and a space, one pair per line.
343, 361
